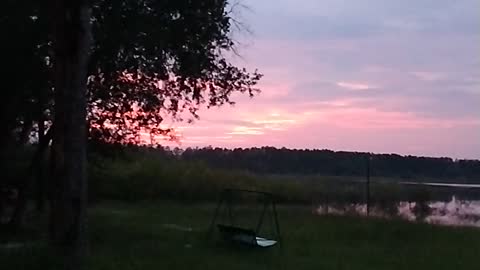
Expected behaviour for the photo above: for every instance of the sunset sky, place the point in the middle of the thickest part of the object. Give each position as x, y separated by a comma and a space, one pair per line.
374, 75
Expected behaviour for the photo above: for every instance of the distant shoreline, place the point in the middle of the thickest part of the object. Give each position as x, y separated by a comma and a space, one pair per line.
442, 184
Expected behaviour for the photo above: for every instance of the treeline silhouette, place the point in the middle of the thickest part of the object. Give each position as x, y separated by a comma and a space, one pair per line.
271, 160
283, 161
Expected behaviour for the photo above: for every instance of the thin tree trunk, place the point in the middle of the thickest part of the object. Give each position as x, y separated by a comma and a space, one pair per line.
69, 204
40, 187
17, 219
25, 133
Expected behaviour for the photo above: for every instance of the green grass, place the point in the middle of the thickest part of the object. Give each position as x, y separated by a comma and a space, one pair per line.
134, 236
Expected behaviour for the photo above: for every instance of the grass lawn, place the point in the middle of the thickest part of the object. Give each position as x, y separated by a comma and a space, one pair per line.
155, 236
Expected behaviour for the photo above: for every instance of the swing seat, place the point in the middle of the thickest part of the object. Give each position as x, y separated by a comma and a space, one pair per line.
244, 236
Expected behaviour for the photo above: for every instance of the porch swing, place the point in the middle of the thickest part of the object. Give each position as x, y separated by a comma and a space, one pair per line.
232, 232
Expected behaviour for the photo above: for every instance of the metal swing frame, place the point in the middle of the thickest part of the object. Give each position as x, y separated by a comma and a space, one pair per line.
245, 236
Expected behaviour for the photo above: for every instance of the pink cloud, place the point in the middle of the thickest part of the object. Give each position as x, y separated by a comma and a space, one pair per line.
354, 85
338, 124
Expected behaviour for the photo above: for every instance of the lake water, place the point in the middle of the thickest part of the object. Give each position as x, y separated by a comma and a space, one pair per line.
454, 212
445, 185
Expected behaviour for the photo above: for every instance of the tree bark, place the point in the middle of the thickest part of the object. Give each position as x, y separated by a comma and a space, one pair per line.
40, 183
17, 220
68, 226
24, 135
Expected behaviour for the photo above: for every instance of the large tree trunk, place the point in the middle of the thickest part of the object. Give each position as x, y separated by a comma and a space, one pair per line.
69, 200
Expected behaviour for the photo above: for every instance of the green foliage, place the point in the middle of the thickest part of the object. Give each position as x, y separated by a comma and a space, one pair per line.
147, 178
136, 173
143, 176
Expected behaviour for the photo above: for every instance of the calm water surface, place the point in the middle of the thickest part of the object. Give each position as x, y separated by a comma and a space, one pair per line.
454, 212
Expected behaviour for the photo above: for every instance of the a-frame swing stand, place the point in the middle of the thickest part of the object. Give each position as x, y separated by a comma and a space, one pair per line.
246, 236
